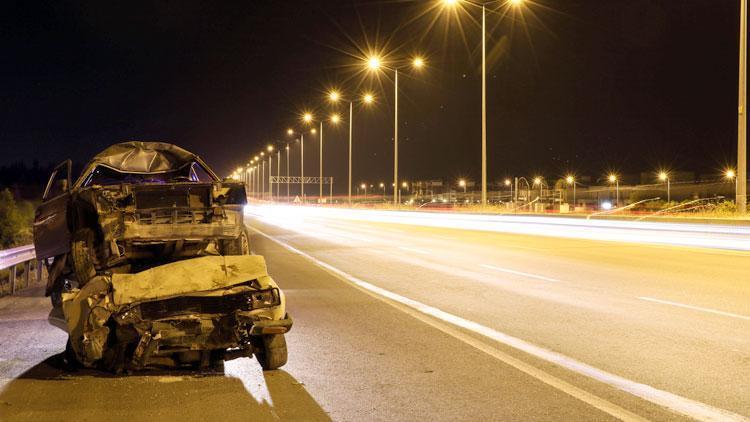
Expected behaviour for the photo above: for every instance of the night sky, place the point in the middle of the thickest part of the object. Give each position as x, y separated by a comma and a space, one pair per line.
582, 85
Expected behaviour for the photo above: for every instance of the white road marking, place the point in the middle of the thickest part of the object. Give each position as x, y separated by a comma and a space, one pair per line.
695, 308
694, 409
505, 270
415, 250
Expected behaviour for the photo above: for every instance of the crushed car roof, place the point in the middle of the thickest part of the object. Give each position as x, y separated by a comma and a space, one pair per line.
144, 157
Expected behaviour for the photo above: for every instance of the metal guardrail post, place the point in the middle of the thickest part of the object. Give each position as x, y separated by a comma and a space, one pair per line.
39, 271
26, 275
13, 280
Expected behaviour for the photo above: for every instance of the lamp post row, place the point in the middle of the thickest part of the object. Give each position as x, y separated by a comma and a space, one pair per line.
375, 63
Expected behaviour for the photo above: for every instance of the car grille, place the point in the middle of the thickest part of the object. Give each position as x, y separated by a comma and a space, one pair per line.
186, 305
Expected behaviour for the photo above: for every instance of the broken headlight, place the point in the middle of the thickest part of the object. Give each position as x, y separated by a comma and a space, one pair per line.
265, 299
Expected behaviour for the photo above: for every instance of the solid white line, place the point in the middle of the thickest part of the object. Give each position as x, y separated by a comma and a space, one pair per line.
695, 308
505, 270
676, 403
404, 248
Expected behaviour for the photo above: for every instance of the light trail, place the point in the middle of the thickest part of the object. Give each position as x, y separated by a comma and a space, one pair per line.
676, 403
677, 234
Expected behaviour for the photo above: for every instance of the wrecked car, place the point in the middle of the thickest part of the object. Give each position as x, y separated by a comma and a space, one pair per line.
135, 204
198, 311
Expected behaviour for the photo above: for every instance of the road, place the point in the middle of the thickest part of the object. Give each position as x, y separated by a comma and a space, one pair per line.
409, 321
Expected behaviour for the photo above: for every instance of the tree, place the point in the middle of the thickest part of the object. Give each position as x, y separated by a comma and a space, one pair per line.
15, 220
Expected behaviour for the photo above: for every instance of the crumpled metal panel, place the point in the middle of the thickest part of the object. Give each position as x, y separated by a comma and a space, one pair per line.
144, 157
184, 277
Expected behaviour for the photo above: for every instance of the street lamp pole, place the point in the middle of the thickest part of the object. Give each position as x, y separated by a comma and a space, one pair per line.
741, 198
278, 174
320, 195
395, 137
484, 112
287, 172
262, 179
351, 107
302, 167
270, 172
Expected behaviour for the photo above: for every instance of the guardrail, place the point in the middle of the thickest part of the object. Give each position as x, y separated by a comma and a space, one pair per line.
24, 258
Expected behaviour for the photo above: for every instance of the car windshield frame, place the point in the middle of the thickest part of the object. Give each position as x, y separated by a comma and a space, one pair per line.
103, 175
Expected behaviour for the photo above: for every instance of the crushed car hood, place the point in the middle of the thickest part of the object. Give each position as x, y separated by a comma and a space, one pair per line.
88, 310
144, 157
184, 277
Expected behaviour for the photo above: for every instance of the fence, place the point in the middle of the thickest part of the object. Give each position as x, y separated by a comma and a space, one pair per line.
19, 263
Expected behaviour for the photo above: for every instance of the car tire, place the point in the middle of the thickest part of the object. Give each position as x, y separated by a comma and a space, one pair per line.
272, 353
237, 246
83, 255
55, 294
69, 357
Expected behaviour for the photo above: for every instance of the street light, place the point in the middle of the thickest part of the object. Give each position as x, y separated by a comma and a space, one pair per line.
374, 63
287, 171
612, 178
454, 3
538, 181
571, 180
364, 186
367, 98
664, 177
508, 183
462, 183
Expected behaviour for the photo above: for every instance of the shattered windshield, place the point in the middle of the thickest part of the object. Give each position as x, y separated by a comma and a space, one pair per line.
102, 175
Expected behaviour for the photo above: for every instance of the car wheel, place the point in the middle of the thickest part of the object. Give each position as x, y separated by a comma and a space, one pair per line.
238, 246
69, 357
82, 253
271, 353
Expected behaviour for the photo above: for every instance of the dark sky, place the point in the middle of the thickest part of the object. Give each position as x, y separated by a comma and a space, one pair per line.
583, 85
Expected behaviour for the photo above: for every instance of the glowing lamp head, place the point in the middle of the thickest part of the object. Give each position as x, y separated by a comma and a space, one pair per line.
307, 117
462, 183
507, 182
729, 174
262, 154
381, 184
373, 63
255, 158
663, 176
290, 132
335, 118
450, 3
612, 178
515, 2
362, 186
537, 180
570, 180
239, 170
269, 148
334, 96
418, 62
404, 185
313, 131
368, 98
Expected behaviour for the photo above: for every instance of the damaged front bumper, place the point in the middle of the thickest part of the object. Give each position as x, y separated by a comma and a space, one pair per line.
196, 310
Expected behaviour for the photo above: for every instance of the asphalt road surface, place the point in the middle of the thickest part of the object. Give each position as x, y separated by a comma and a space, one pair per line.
408, 322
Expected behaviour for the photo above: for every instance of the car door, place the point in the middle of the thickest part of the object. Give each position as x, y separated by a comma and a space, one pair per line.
51, 232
